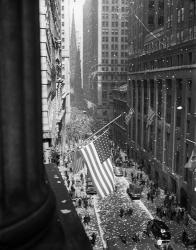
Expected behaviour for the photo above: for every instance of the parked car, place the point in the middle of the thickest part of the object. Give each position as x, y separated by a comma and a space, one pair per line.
91, 190
134, 191
160, 230
118, 171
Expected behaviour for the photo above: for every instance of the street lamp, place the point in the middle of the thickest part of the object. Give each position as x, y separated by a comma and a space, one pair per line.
179, 107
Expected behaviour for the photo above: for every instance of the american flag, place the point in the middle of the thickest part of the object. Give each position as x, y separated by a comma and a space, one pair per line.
129, 115
97, 156
191, 164
78, 162
150, 117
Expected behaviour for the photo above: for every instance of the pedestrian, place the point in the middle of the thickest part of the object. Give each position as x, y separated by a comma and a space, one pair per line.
152, 197
136, 238
184, 238
186, 219
79, 202
121, 212
93, 238
148, 196
129, 211
123, 238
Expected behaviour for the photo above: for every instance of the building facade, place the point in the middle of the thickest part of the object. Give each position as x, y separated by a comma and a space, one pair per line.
162, 69
119, 127
104, 52
50, 27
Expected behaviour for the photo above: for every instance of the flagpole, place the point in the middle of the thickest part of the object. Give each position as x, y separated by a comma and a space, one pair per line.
116, 118
194, 142
106, 126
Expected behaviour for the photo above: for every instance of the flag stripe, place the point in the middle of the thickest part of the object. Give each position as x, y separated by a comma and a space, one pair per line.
102, 174
97, 156
100, 167
77, 162
95, 174
111, 170
108, 173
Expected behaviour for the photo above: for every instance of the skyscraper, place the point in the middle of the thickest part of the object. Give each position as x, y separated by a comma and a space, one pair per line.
161, 76
104, 52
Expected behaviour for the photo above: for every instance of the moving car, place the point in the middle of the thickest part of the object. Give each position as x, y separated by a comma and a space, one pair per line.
134, 191
160, 230
118, 171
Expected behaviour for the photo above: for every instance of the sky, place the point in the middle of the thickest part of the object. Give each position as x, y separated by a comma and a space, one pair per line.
78, 6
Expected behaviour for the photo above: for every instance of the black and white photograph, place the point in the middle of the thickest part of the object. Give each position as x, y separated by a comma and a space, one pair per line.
97, 124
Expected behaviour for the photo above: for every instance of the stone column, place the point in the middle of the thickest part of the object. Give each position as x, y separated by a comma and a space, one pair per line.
142, 114
163, 120
173, 127
193, 137
156, 82
148, 105
136, 113
27, 205
133, 117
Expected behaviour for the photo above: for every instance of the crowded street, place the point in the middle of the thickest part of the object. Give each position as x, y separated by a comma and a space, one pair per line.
117, 221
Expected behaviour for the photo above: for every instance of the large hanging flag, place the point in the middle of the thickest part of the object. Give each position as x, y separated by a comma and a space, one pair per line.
150, 117
78, 162
191, 164
129, 115
97, 157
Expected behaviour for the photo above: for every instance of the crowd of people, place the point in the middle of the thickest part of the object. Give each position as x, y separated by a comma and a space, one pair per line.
169, 210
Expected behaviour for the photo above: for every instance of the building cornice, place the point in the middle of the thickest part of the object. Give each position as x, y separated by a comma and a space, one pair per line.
183, 67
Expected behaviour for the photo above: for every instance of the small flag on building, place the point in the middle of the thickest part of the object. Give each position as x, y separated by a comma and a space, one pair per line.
78, 162
191, 164
129, 115
150, 116
97, 157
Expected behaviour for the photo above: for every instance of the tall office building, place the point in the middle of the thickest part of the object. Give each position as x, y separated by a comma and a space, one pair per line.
162, 52
104, 52
50, 14
66, 9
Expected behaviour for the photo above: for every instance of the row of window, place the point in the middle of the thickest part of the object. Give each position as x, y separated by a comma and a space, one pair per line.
176, 60
115, 77
114, 69
114, 39
114, 32
114, 61
114, 24
105, 8
163, 43
106, 46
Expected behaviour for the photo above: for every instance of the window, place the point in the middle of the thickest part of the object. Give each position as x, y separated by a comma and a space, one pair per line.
151, 4
151, 19
190, 57
104, 94
189, 105
180, 14
105, 113
160, 20
190, 33
181, 59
